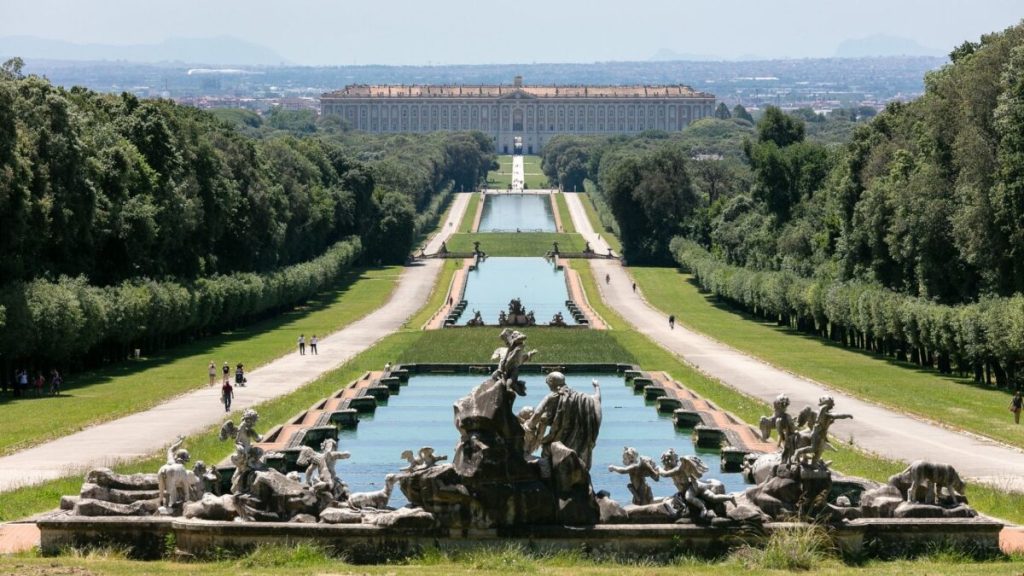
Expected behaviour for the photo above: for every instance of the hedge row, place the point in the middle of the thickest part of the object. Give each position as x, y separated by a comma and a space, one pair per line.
984, 338
64, 320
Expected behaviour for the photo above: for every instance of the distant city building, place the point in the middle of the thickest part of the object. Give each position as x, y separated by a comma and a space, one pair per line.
518, 115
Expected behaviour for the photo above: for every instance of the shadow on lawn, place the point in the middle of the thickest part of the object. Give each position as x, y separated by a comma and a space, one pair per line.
204, 345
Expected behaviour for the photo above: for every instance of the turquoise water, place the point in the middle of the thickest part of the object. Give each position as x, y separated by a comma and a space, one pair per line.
535, 281
517, 212
421, 415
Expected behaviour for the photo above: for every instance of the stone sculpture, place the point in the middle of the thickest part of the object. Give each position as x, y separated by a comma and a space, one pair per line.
247, 458
695, 498
377, 499
323, 463
817, 441
558, 320
426, 459
639, 468
174, 482
569, 417
516, 315
929, 483
476, 320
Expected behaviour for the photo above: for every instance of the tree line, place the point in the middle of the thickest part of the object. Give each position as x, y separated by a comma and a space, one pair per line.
126, 221
920, 207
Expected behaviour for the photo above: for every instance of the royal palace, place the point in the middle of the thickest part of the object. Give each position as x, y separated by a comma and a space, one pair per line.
520, 118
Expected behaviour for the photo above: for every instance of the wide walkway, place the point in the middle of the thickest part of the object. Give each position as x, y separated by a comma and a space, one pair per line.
873, 428
148, 432
518, 172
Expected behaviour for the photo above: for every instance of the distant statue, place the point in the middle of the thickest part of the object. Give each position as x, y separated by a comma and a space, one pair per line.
444, 248
476, 320
557, 320
502, 318
476, 247
568, 416
639, 468
425, 459
554, 248
587, 249
530, 319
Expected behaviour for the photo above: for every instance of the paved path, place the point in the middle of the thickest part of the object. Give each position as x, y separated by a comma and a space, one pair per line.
518, 173
873, 428
145, 433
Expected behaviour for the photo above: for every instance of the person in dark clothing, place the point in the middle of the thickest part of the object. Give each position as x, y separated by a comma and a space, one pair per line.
672, 321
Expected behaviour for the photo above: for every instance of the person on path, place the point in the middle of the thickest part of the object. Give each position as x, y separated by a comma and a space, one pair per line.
302, 344
40, 383
1016, 403
226, 371
22, 386
672, 321
634, 287
55, 382
607, 278
239, 375
213, 372
312, 344
227, 394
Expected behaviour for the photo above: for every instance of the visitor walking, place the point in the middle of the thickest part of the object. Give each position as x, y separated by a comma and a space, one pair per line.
227, 394
22, 384
55, 382
312, 344
1016, 403
40, 383
213, 372
672, 321
607, 278
302, 344
226, 371
634, 287
239, 375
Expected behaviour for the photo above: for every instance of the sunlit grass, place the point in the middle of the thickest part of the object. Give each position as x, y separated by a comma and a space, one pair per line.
516, 243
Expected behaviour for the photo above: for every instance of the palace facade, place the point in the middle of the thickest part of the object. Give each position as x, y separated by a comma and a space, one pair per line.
518, 117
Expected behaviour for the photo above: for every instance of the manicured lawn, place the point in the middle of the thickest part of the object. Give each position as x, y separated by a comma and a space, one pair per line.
563, 212
437, 294
595, 223
466, 226
554, 345
132, 386
516, 243
533, 176
952, 401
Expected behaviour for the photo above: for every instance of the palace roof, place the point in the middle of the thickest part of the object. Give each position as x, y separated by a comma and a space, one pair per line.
510, 91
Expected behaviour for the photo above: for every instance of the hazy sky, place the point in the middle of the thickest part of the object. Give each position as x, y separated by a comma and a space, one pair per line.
320, 32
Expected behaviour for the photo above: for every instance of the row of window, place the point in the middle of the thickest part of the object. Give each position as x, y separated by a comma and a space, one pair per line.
597, 118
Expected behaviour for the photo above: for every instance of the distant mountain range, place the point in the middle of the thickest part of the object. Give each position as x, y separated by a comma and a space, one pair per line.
221, 50
882, 45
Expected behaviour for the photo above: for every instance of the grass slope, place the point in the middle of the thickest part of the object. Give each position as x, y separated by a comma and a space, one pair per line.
515, 243
466, 226
957, 402
563, 213
132, 386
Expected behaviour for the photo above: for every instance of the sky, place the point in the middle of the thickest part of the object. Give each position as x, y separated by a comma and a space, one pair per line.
420, 32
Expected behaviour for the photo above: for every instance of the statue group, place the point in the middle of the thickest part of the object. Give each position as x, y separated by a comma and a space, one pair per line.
530, 467
516, 315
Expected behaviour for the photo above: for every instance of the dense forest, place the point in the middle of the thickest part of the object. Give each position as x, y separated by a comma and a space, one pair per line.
128, 222
907, 240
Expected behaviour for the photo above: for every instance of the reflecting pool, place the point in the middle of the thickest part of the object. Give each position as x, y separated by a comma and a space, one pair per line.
538, 284
522, 212
421, 415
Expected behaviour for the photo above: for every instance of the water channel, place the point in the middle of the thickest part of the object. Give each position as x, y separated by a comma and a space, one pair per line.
535, 281
421, 415
517, 212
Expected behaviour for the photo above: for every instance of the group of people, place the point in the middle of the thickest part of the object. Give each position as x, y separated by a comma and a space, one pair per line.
227, 391
312, 344
24, 383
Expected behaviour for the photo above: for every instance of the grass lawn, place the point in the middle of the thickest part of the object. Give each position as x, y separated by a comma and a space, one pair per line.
135, 385
499, 559
437, 295
957, 402
563, 213
595, 223
516, 243
533, 176
466, 226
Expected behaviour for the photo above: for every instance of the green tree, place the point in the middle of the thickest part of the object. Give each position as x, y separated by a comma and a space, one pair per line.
739, 112
780, 128
722, 111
